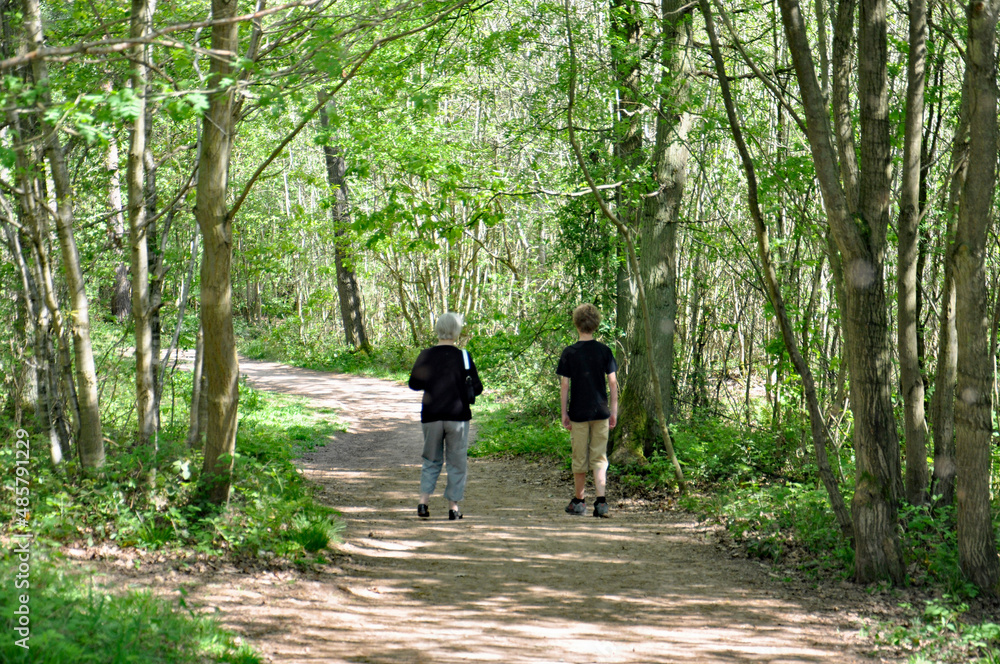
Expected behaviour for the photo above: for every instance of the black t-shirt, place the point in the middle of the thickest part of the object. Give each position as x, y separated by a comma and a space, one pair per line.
440, 372
586, 363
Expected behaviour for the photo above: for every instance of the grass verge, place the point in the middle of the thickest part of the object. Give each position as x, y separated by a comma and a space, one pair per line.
72, 621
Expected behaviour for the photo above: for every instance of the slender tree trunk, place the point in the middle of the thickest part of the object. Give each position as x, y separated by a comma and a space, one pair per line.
221, 362
908, 230
48, 402
943, 405
156, 239
347, 282
121, 289
197, 384
977, 551
144, 358
91, 441
860, 241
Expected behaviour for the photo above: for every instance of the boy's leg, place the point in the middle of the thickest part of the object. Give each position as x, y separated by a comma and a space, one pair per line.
579, 436
599, 455
600, 482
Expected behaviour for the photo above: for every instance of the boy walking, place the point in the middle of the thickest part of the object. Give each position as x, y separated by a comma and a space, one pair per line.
585, 409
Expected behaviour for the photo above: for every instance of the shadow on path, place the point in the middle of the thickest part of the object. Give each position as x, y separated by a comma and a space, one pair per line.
517, 580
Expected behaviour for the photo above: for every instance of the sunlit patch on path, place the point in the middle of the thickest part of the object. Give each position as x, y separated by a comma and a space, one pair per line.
517, 580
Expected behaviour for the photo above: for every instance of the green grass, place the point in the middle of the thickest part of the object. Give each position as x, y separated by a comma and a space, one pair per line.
73, 621
501, 431
148, 500
324, 352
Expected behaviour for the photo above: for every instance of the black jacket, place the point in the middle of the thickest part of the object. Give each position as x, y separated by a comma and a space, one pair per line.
440, 372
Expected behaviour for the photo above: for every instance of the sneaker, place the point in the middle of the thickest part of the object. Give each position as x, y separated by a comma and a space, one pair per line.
422, 511
454, 515
576, 508
601, 510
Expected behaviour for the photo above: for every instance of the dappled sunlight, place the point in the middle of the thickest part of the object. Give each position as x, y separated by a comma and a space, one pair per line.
496, 588
516, 580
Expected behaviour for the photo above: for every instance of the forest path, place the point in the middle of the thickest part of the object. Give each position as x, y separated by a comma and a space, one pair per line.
518, 579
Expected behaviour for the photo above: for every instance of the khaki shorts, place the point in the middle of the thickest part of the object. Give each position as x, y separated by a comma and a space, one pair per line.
590, 443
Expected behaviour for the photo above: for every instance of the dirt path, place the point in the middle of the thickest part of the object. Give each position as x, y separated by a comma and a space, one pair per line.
517, 580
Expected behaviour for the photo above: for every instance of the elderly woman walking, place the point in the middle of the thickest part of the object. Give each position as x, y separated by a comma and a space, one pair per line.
450, 382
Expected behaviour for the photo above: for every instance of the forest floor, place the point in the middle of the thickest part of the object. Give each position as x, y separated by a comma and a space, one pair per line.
517, 580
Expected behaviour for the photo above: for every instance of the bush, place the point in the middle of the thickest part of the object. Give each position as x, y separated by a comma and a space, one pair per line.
771, 520
930, 546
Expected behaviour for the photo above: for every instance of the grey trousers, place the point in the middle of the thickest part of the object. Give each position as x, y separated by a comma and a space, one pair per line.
445, 441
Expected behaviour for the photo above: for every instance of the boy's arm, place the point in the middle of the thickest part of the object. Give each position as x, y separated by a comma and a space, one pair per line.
613, 387
564, 401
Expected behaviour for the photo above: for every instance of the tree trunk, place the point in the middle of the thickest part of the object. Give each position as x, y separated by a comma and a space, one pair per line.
347, 282
221, 362
977, 552
156, 243
943, 405
843, 69
91, 441
144, 357
194, 439
658, 240
121, 289
911, 378
860, 241
48, 402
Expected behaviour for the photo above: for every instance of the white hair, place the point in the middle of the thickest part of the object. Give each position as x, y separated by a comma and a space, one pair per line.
449, 326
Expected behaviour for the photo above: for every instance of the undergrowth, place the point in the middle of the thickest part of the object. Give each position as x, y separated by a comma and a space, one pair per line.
147, 498
321, 351
940, 633
503, 432
74, 621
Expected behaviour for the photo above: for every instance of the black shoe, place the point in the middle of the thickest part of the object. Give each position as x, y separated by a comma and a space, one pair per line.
454, 514
422, 511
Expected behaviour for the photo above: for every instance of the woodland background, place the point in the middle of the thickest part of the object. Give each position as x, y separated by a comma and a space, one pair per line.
784, 210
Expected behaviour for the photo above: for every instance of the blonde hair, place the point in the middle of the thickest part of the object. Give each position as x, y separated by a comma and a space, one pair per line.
586, 317
449, 326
